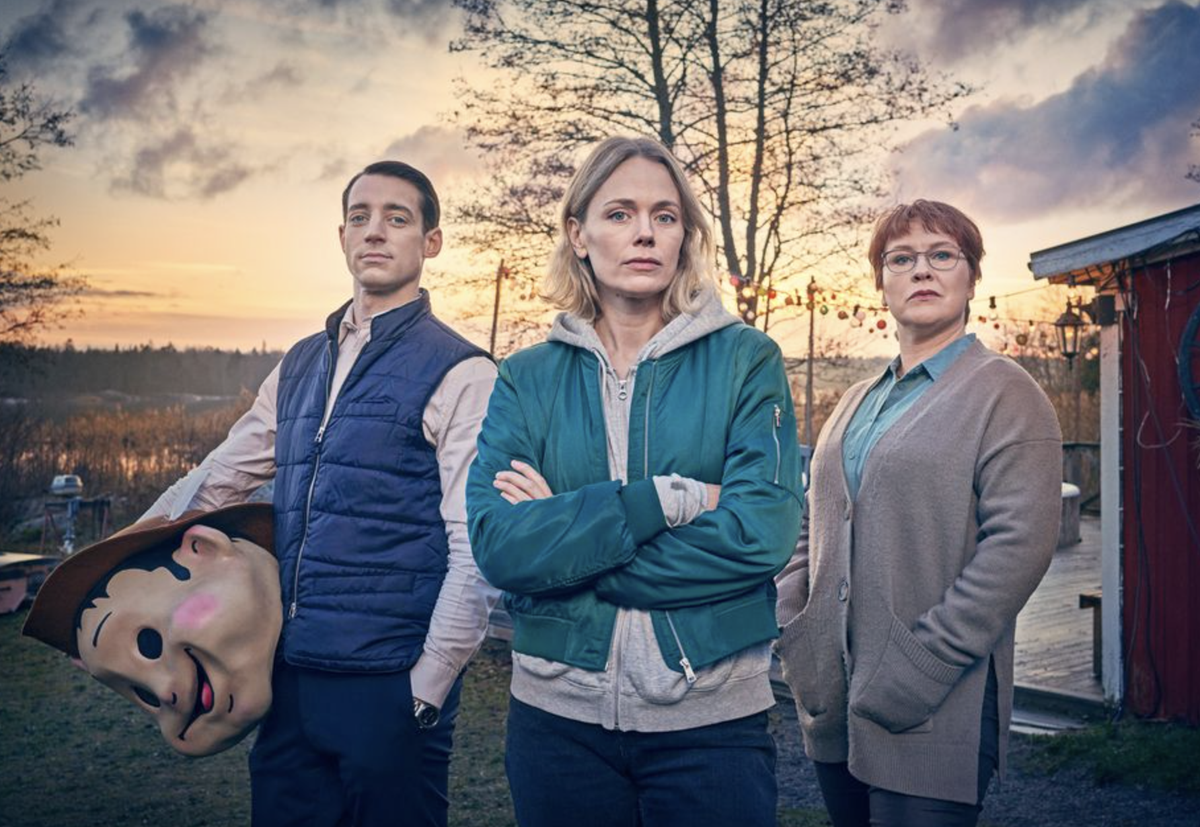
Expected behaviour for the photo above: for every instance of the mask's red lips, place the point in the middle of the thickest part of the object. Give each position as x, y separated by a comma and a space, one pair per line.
204, 695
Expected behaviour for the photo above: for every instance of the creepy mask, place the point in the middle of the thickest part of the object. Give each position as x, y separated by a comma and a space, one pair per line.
182, 618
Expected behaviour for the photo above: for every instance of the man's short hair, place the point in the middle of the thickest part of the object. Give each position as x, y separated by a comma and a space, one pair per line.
431, 210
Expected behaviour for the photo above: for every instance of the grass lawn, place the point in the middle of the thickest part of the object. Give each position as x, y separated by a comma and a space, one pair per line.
75, 753
1136, 753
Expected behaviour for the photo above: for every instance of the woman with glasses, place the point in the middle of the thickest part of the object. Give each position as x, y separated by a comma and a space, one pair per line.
635, 492
933, 513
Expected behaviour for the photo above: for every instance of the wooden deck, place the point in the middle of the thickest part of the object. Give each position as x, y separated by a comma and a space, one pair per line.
1054, 635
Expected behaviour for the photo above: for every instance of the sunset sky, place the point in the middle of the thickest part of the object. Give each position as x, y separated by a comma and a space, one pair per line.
213, 140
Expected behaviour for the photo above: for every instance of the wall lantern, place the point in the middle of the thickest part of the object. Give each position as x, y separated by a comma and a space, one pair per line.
1069, 326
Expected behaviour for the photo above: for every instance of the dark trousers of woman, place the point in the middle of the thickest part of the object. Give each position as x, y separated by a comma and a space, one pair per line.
851, 803
565, 772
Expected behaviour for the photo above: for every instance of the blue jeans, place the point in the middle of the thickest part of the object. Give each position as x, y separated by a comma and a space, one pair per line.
344, 749
565, 772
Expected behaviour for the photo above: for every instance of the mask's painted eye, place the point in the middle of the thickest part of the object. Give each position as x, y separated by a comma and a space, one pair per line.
149, 643
146, 698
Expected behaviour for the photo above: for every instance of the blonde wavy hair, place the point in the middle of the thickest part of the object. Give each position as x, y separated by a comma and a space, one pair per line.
570, 283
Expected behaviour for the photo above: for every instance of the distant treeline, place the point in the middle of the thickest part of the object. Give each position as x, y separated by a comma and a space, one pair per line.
138, 371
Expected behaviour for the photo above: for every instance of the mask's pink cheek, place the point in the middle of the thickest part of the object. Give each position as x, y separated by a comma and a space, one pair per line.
195, 611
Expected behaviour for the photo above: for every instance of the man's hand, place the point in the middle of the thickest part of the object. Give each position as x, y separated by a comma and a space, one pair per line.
521, 484
714, 496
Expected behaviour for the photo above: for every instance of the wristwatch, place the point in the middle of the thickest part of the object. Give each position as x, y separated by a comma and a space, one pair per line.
427, 715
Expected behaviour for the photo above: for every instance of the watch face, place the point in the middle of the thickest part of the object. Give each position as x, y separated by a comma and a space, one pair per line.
427, 716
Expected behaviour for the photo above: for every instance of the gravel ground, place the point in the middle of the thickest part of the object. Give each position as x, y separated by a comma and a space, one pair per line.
1066, 799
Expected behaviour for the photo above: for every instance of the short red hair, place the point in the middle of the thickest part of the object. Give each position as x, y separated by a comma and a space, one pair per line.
935, 217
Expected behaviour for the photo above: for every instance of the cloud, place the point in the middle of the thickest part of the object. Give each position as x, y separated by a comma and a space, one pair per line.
428, 19
283, 75
101, 293
437, 151
1120, 132
334, 169
950, 30
166, 44
39, 40
183, 166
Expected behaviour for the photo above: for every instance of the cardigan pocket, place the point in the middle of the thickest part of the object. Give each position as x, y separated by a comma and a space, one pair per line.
810, 652
907, 685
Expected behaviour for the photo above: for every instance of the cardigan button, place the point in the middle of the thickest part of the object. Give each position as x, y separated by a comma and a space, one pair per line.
843, 591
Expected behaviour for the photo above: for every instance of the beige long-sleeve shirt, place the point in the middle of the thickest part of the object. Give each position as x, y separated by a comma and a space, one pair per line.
451, 421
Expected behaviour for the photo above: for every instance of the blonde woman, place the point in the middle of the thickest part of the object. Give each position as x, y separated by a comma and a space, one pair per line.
933, 514
636, 490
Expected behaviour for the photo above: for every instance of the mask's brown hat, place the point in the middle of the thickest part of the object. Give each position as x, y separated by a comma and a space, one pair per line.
52, 617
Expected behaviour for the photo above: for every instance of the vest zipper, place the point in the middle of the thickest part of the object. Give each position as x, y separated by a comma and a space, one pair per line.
689, 674
312, 483
775, 436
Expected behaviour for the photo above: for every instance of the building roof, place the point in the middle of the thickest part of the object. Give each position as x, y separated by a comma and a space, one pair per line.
1089, 260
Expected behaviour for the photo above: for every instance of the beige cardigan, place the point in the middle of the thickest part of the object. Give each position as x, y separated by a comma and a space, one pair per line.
892, 604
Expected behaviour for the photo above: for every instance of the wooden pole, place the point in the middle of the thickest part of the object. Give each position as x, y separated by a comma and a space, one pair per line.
811, 306
496, 308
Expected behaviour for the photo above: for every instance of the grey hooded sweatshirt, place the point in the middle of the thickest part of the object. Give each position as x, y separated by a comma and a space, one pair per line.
637, 691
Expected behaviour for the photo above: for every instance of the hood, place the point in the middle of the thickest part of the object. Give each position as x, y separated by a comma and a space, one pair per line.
709, 316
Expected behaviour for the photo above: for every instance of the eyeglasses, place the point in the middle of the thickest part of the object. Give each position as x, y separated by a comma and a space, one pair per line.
903, 261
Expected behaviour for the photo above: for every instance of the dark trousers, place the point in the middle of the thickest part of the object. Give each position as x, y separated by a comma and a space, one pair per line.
851, 803
341, 749
564, 772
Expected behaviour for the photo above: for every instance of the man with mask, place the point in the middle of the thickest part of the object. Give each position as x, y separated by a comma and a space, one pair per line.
368, 429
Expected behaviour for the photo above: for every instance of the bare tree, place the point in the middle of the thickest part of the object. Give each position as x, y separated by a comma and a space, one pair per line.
31, 295
777, 108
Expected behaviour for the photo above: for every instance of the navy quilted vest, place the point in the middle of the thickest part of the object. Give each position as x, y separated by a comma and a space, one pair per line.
358, 531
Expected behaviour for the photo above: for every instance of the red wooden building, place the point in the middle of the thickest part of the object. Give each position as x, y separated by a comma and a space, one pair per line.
1150, 451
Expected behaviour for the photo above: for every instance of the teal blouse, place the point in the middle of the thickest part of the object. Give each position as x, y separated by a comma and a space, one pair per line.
887, 401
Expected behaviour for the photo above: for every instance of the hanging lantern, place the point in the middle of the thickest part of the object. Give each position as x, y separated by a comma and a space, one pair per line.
1022, 339
788, 301
855, 321
881, 324
743, 307
843, 315
983, 319
833, 297
859, 314
824, 309
747, 291
1070, 326
771, 294
750, 316
735, 281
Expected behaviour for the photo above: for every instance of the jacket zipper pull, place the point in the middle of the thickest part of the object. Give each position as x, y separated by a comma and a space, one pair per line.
778, 414
292, 610
689, 674
320, 435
